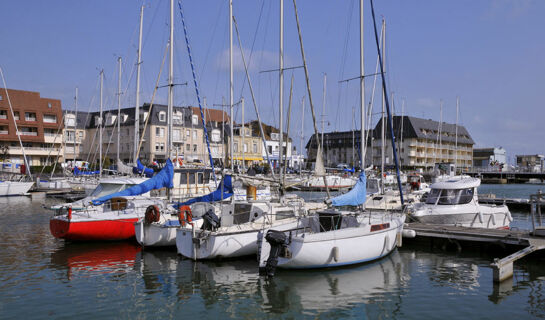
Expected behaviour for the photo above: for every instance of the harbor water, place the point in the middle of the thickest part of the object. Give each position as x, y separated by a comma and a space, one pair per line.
43, 277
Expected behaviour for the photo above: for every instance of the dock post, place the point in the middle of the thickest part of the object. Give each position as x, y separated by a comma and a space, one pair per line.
502, 270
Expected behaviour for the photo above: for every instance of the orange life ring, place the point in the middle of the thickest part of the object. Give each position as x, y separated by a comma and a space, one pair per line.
181, 161
152, 214
185, 216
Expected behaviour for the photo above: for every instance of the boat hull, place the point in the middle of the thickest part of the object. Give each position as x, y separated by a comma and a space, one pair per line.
337, 247
215, 245
96, 230
9, 188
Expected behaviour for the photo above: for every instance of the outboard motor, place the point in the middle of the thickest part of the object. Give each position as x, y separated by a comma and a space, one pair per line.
210, 221
278, 241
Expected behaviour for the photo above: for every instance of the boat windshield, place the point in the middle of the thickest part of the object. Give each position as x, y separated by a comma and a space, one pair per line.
104, 189
372, 186
450, 196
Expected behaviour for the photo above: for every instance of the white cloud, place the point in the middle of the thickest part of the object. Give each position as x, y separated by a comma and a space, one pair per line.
261, 60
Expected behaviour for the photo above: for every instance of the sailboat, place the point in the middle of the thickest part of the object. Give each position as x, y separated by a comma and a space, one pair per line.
336, 236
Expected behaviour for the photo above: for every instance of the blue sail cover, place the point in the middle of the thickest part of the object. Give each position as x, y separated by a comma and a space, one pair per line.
214, 196
78, 172
354, 197
161, 180
148, 172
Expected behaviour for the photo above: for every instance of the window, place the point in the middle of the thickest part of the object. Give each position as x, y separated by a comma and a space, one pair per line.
235, 147
30, 116
162, 116
16, 115
450, 196
255, 147
194, 148
176, 135
28, 131
216, 137
187, 133
245, 147
49, 105
188, 147
270, 149
1, 98
3, 114
4, 130
160, 132
195, 134
195, 120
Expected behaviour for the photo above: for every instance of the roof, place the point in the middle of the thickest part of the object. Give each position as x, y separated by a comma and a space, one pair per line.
425, 129
457, 183
154, 118
267, 130
211, 114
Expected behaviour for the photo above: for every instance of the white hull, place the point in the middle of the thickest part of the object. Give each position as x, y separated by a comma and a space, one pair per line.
223, 244
159, 234
12, 188
345, 246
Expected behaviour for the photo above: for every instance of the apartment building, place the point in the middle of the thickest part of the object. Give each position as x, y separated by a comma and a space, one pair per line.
420, 143
39, 125
218, 128
74, 134
272, 142
247, 146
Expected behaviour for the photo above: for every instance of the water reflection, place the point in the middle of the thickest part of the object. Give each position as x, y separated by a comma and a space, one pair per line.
377, 285
93, 259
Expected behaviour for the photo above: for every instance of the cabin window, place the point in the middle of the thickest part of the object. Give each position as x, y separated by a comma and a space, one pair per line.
191, 178
183, 178
200, 178
450, 196
207, 176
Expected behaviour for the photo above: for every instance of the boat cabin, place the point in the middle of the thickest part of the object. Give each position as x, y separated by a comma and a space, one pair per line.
453, 192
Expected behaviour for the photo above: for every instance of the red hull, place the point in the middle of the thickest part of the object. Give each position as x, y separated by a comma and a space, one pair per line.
100, 230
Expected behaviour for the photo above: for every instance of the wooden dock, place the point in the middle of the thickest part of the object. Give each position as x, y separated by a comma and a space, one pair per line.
503, 268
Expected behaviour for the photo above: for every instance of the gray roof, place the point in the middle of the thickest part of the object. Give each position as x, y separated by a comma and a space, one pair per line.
153, 120
424, 129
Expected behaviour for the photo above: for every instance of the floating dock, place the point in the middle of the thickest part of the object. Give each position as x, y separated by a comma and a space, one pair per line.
503, 268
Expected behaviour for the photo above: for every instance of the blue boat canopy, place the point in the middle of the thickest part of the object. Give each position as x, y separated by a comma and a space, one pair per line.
227, 184
140, 168
161, 180
354, 197
78, 172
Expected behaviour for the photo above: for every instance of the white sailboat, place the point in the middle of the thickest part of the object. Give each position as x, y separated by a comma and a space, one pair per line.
335, 237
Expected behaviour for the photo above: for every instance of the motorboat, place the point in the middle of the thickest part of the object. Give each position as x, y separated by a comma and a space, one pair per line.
455, 202
333, 237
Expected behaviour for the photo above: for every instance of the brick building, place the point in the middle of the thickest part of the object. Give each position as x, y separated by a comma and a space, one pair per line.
39, 123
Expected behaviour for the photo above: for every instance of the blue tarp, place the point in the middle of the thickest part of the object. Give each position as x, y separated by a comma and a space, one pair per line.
78, 172
214, 196
349, 170
141, 168
161, 180
354, 197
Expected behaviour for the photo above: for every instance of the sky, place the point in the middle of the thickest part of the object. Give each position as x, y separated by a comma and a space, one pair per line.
489, 53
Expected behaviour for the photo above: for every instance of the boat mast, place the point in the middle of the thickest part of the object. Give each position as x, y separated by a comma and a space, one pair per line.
441, 132
100, 125
323, 108
281, 87
456, 134
302, 135
243, 134
170, 82
137, 107
231, 83
118, 108
25, 160
383, 123
75, 125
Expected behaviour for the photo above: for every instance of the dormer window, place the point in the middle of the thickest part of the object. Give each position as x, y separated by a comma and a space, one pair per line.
195, 120
162, 116
275, 136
